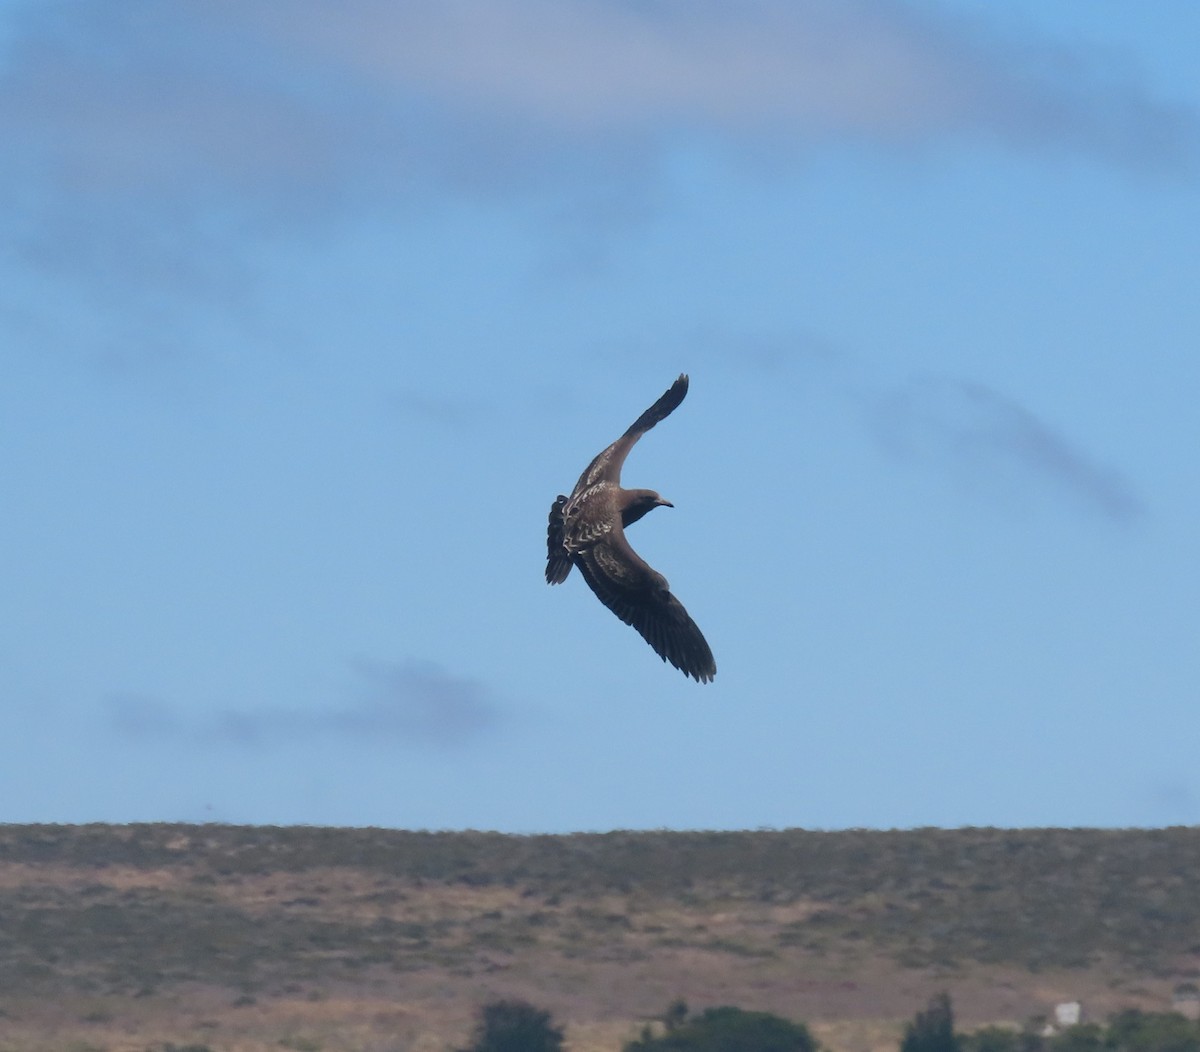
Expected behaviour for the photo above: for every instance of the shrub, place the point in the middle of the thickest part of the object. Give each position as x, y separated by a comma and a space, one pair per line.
1136, 1031
514, 1026
727, 1030
991, 1039
933, 1029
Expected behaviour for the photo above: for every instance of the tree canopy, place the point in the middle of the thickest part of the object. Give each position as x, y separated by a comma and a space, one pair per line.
933, 1029
727, 1029
514, 1026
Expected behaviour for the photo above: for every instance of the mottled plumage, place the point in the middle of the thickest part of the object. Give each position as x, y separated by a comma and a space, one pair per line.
587, 530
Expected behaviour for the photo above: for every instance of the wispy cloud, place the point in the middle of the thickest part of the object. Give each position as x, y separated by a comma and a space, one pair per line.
414, 703
145, 142
980, 434
966, 430
837, 67
139, 717
445, 410
213, 111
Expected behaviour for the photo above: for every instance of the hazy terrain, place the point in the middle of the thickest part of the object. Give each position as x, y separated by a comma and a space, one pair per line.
238, 938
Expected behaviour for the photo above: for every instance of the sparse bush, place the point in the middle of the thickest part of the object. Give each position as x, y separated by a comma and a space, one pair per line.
676, 1014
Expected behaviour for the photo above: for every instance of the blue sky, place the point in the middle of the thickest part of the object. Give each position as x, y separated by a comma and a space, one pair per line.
308, 311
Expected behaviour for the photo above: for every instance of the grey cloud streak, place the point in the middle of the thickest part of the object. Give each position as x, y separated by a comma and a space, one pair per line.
293, 111
977, 432
410, 704
960, 427
836, 67
147, 144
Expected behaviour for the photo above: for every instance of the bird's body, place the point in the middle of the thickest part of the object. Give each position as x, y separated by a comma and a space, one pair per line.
587, 529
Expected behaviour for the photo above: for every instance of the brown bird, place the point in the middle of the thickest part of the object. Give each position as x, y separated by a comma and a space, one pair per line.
587, 530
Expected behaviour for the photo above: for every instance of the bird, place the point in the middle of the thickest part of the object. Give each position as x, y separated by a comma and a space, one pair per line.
587, 529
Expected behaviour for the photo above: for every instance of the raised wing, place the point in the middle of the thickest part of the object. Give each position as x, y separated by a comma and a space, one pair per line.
558, 562
641, 597
607, 465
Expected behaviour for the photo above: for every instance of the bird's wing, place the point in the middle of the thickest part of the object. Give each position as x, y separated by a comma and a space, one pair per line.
641, 597
558, 562
607, 465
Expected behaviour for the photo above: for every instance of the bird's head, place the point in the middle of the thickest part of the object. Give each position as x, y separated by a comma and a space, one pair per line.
637, 502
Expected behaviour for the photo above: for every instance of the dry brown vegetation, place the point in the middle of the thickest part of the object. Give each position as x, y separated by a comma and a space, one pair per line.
322, 940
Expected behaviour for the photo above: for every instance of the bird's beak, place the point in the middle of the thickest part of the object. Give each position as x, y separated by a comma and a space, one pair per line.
663, 503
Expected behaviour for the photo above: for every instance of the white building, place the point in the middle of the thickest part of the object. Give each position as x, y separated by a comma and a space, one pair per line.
1067, 1014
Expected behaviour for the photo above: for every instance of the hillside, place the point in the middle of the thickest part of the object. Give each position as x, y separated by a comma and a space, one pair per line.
249, 937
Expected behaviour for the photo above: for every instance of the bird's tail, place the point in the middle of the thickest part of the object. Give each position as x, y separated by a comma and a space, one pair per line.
558, 562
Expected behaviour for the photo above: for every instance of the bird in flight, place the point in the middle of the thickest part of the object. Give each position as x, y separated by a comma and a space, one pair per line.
587, 529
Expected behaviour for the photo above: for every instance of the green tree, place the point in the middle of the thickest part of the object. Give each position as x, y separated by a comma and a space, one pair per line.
514, 1026
728, 1029
1137, 1031
991, 1039
933, 1029
1083, 1037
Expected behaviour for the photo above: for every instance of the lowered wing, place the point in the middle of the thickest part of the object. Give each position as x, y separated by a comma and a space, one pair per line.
641, 597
